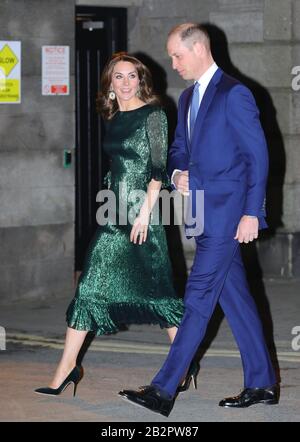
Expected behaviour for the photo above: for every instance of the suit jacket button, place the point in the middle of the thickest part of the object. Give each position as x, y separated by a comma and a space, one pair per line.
191, 163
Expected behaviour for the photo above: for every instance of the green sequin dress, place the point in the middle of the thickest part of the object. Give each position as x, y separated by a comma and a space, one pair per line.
123, 282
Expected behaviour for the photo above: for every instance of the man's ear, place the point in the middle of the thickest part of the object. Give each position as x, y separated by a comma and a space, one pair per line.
199, 48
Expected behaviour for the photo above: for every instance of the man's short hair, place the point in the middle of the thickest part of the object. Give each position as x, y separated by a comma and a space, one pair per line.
190, 33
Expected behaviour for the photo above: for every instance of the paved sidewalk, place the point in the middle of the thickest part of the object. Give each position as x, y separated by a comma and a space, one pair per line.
34, 339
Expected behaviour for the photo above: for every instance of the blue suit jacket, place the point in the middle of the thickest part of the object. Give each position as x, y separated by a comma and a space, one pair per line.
227, 156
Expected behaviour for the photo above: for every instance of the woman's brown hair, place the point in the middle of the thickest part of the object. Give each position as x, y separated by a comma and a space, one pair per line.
108, 107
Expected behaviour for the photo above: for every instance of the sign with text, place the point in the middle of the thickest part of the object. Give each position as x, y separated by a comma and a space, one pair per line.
55, 70
10, 72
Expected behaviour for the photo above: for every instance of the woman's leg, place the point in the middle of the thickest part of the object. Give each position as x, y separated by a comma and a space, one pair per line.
172, 333
73, 344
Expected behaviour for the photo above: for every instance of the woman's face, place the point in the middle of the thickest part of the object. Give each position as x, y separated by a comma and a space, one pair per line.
125, 80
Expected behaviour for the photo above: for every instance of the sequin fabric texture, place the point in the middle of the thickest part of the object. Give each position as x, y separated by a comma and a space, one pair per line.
126, 283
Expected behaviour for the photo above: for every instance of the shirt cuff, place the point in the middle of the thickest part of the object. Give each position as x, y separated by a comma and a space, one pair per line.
175, 171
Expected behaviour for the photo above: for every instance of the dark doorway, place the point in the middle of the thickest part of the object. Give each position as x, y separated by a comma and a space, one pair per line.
99, 33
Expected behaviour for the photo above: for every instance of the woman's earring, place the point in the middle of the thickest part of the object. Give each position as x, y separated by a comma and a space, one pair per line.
112, 95
138, 93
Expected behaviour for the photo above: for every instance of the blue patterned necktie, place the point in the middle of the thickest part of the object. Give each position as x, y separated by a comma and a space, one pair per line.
194, 108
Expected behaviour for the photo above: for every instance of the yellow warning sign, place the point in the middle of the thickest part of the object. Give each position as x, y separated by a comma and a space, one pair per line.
10, 72
8, 60
9, 91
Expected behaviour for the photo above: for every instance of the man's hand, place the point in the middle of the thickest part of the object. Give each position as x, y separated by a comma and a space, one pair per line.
247, 229
181, 181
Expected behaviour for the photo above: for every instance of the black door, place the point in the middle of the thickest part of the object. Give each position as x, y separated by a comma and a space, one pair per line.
99, 33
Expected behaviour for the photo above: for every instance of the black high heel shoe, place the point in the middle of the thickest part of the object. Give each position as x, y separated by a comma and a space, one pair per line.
191, 376
73, 378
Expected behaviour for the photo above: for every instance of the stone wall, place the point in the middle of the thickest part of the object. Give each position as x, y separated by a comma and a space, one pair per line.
36, 192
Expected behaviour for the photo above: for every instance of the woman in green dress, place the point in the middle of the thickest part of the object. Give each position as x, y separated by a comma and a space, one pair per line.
127, 275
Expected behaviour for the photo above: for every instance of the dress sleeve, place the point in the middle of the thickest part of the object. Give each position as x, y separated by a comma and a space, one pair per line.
157, 132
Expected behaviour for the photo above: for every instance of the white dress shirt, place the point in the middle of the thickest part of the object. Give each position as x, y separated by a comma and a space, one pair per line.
204, 81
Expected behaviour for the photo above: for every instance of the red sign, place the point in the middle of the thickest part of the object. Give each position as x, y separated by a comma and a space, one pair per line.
59, 89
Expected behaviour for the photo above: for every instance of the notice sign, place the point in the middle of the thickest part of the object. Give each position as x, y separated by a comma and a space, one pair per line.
55, 70
10, 72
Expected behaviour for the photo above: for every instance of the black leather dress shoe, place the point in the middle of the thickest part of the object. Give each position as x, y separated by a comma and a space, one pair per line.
251, 396
149, 397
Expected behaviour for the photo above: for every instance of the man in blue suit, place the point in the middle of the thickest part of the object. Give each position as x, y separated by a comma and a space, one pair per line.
219, 147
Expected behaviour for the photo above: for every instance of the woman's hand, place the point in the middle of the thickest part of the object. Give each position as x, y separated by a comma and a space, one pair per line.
140, 228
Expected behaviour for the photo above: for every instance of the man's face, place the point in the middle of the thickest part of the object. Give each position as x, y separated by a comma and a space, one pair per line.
184, 59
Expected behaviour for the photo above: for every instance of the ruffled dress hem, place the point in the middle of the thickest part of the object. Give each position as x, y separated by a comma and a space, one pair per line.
105, 319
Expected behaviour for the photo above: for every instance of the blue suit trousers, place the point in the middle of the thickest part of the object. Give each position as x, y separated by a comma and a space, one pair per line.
218, 275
